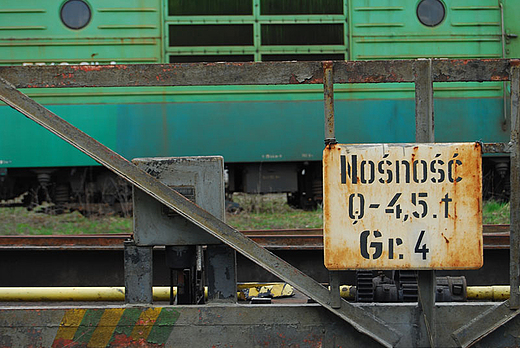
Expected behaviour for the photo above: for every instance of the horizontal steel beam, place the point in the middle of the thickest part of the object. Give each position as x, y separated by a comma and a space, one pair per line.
361, 320
254, 73
496, 147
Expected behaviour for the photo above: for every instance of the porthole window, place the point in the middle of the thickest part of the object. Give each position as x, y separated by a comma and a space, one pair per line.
431, 12
75, 14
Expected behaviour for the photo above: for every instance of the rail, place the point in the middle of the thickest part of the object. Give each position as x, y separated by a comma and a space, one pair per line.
496, 237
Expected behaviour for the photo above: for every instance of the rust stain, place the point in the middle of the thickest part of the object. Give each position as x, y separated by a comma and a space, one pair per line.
328, 64
87, 68
293, 79
514, 62
122, 340
446, 242
62, 343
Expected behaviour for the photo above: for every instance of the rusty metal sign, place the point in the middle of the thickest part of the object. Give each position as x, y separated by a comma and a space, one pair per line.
403, 206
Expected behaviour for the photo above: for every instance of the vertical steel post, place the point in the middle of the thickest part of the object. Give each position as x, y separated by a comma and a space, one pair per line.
257, 27
328, 93
138, 273
424, 133
221, 271
424, 125
514, 206
335, 295
330, 138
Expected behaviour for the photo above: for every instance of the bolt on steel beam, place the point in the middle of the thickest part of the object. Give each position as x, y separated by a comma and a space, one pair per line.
359, 318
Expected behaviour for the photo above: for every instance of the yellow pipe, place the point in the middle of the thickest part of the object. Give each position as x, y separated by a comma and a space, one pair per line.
42, 294
162, 293
348, 292
488, 293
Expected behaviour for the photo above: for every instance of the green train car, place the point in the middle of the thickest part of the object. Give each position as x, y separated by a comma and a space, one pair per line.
271, 137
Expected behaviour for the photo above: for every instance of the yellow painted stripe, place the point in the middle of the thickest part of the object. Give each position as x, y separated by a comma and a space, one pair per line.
145, 323
70, 323
105, 328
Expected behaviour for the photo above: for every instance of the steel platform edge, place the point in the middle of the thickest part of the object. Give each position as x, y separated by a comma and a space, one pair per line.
278, 325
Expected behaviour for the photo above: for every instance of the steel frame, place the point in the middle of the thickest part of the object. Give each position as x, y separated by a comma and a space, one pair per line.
422, 72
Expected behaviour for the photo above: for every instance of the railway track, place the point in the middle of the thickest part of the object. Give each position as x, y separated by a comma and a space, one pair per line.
97, 260
495, 237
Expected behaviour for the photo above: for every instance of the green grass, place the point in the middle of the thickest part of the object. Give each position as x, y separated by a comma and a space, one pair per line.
258, 212
20, 221
263, 212
495, 213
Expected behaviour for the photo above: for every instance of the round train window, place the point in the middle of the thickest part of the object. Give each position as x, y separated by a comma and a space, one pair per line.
431, 12
75, 14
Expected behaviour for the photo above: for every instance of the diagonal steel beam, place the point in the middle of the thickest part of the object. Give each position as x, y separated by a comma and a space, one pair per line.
484, 324
360, 319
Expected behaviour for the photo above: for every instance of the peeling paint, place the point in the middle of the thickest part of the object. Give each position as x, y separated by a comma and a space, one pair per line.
404, 206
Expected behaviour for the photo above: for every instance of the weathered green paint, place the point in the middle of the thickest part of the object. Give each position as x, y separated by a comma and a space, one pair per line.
88, 325
138, 30
390, 30
241, 132
164, 325
127, 322
123, 32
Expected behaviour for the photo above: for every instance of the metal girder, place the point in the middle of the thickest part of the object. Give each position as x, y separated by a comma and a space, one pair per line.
484, 324
514, 206
424, 125
357, 317
254, 73
328, 95
496, 147
424, 133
